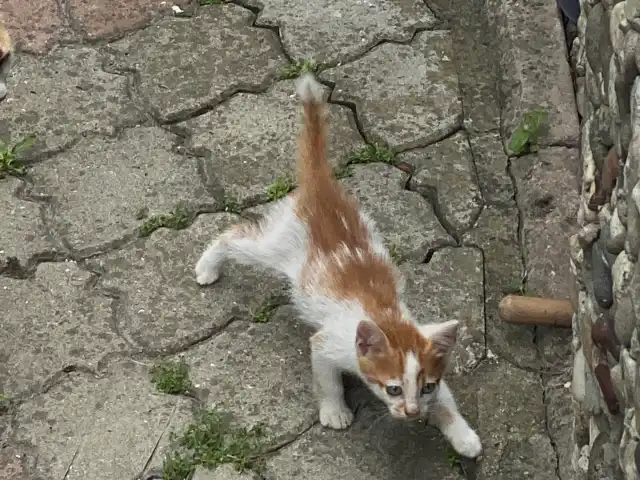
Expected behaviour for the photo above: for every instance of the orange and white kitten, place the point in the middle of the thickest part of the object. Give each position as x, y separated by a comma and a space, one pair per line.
346, 286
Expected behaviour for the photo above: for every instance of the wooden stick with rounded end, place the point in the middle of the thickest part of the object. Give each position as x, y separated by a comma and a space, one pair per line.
536, 311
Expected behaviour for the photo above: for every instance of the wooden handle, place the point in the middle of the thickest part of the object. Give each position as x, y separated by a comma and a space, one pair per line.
536, 311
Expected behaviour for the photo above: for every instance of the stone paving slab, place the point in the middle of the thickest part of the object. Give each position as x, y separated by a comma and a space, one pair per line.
252, 369
35, 26
51, 322
406, 220
184, 65
109, 19
354, 28
496, 233
153, 279
548, 192
23, 236
492, 165
102, 190
446, 173
512, 422
62, 96
249, 142
99, 427
473, 50
406, 96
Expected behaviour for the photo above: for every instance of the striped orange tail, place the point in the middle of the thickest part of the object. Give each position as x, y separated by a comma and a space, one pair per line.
313, 161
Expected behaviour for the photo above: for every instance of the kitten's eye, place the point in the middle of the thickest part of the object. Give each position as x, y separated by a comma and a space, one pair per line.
394, 390
428, 388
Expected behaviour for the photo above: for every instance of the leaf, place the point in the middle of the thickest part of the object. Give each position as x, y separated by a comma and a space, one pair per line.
518, 140
25, 144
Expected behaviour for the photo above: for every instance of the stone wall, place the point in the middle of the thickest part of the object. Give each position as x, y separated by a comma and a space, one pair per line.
604, 254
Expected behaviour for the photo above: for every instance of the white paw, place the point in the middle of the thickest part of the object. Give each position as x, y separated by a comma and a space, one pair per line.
204, 275
335, 415
467, 443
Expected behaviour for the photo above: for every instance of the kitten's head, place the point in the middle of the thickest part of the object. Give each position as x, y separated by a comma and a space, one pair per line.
403, 363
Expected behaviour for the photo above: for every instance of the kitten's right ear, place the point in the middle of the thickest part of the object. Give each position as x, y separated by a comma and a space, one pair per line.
370, 340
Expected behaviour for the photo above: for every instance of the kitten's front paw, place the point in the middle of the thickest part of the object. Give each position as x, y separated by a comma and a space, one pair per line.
205, 275
466, 443
335, 415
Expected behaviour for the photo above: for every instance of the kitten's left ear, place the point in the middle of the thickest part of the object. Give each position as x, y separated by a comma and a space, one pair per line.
443, 335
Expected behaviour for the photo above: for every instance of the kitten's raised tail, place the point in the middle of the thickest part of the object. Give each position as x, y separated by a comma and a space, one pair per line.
313, 163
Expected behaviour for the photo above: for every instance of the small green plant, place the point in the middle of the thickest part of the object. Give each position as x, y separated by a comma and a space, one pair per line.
171, 377
231, 205
10, 156
525, 137
179, 218
265, 312
210, 2
453, 459
294, 70
280, 188
372, 153
516, 287
396, 253
212, 440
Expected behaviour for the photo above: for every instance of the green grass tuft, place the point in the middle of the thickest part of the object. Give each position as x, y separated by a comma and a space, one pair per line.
231, 205
294, 70
453, 458
280, 188
265, 312
525, 137
10, 163
212, 440
372, 153
171, 377
179, 218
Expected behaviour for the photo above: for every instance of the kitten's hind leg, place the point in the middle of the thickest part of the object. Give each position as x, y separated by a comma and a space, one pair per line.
274, 242
334, 412
445, 415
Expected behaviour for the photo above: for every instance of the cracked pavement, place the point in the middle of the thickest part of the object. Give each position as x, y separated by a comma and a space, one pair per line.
138, 108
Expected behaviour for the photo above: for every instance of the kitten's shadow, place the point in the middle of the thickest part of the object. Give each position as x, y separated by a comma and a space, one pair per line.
402, 449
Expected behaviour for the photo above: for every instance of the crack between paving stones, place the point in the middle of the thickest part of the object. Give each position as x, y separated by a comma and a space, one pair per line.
554, 446
73, 459
430, 194
157, 444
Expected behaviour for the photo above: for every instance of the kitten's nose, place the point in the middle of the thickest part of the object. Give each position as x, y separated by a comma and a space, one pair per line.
411, 411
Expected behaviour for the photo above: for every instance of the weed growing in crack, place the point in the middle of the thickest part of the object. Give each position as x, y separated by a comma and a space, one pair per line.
171, 377
265, 312
453, 458
396, 253
212, 440
179, 218
231, 205
294, 70
372, 153
517, 288
525, 137
280, 188
10, 163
